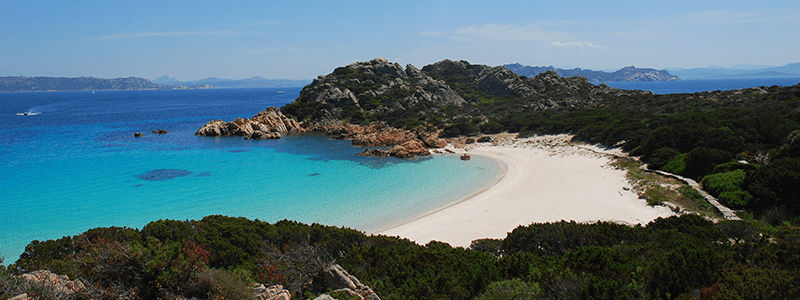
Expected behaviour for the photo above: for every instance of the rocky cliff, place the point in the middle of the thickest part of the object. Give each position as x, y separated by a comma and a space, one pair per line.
372, 88
380, 90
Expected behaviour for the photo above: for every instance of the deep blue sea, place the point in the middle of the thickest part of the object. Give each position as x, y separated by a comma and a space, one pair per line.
694, 86
78, 166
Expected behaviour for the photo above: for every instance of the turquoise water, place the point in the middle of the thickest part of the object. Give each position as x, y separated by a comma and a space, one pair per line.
77, 166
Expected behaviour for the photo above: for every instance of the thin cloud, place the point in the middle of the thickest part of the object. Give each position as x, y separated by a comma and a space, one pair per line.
500, 32
171, 34
578, 45
486, 32
272, 50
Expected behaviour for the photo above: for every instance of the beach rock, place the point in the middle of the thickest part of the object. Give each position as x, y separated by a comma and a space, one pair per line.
274, 292
23, 296
409, 149
60, 283
138, 134
268, 124
337, 279
159, 131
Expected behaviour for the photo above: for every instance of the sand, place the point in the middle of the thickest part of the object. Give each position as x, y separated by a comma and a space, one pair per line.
547, 179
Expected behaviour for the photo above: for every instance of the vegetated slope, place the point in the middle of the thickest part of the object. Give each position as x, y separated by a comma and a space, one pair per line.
630, 73
220, 257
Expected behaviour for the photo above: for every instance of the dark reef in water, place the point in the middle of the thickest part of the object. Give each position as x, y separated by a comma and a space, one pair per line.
163, 174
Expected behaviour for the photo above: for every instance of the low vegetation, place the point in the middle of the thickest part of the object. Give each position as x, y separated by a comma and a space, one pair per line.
220, 257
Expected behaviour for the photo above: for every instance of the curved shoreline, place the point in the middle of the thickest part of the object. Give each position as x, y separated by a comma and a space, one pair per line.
547, 179
498, 178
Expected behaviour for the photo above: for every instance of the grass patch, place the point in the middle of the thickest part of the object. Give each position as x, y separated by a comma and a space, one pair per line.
660, 190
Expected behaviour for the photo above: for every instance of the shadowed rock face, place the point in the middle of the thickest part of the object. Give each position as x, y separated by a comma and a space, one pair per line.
163, 174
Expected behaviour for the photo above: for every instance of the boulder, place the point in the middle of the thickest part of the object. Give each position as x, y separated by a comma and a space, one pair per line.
274, 292
337, 279
60, 283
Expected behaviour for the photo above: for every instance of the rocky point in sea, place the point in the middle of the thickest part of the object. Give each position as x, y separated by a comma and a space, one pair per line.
268, 124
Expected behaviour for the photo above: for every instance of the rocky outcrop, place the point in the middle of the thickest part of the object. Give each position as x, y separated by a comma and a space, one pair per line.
496, 81
403, 143
338, 280
268, 124
275, 292
58, 284
376, 87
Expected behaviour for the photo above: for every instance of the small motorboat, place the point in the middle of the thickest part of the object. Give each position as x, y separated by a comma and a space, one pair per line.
465, 156
27, 113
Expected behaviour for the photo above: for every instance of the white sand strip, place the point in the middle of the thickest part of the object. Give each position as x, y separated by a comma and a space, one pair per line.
547, 180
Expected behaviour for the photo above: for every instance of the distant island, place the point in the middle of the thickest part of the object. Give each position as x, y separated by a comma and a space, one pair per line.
46, 84
252, 82
739, 71
625, 74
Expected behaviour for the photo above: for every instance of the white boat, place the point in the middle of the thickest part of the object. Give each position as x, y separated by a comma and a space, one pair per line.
27, 113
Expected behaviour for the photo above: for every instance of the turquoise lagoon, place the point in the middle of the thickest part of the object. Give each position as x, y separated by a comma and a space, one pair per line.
78, 166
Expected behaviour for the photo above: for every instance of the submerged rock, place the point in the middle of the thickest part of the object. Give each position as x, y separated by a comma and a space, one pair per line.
163, 174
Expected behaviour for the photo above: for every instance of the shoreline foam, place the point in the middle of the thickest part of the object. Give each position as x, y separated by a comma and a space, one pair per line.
547, 179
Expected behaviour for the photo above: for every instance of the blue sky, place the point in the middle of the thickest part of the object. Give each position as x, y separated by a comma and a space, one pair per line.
192, 40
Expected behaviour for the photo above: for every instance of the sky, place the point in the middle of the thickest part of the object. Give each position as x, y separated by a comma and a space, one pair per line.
192, 40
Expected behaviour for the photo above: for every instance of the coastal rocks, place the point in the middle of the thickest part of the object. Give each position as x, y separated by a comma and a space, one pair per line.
338, 279
60, 283
138, 134
274, 292
159, 131
404, 143
268, 124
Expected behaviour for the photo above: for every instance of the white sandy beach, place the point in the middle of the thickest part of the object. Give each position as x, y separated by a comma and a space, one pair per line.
547, 180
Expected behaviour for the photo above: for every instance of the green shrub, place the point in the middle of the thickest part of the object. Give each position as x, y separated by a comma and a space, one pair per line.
701, 161
511, 289
662, 157
676, 165
727, 188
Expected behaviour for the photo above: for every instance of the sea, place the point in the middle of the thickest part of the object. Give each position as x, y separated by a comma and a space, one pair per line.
73, 164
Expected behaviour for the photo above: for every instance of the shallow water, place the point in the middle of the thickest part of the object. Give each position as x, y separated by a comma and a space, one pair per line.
78, 166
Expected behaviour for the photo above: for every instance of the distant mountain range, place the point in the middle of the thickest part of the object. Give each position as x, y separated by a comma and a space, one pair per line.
738, 71
253, 82
44, 84
625, 74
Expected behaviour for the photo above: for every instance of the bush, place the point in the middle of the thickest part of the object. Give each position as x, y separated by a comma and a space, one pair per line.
775, 185
676, 165
662, 157
512, 289
701, 161
727, 188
